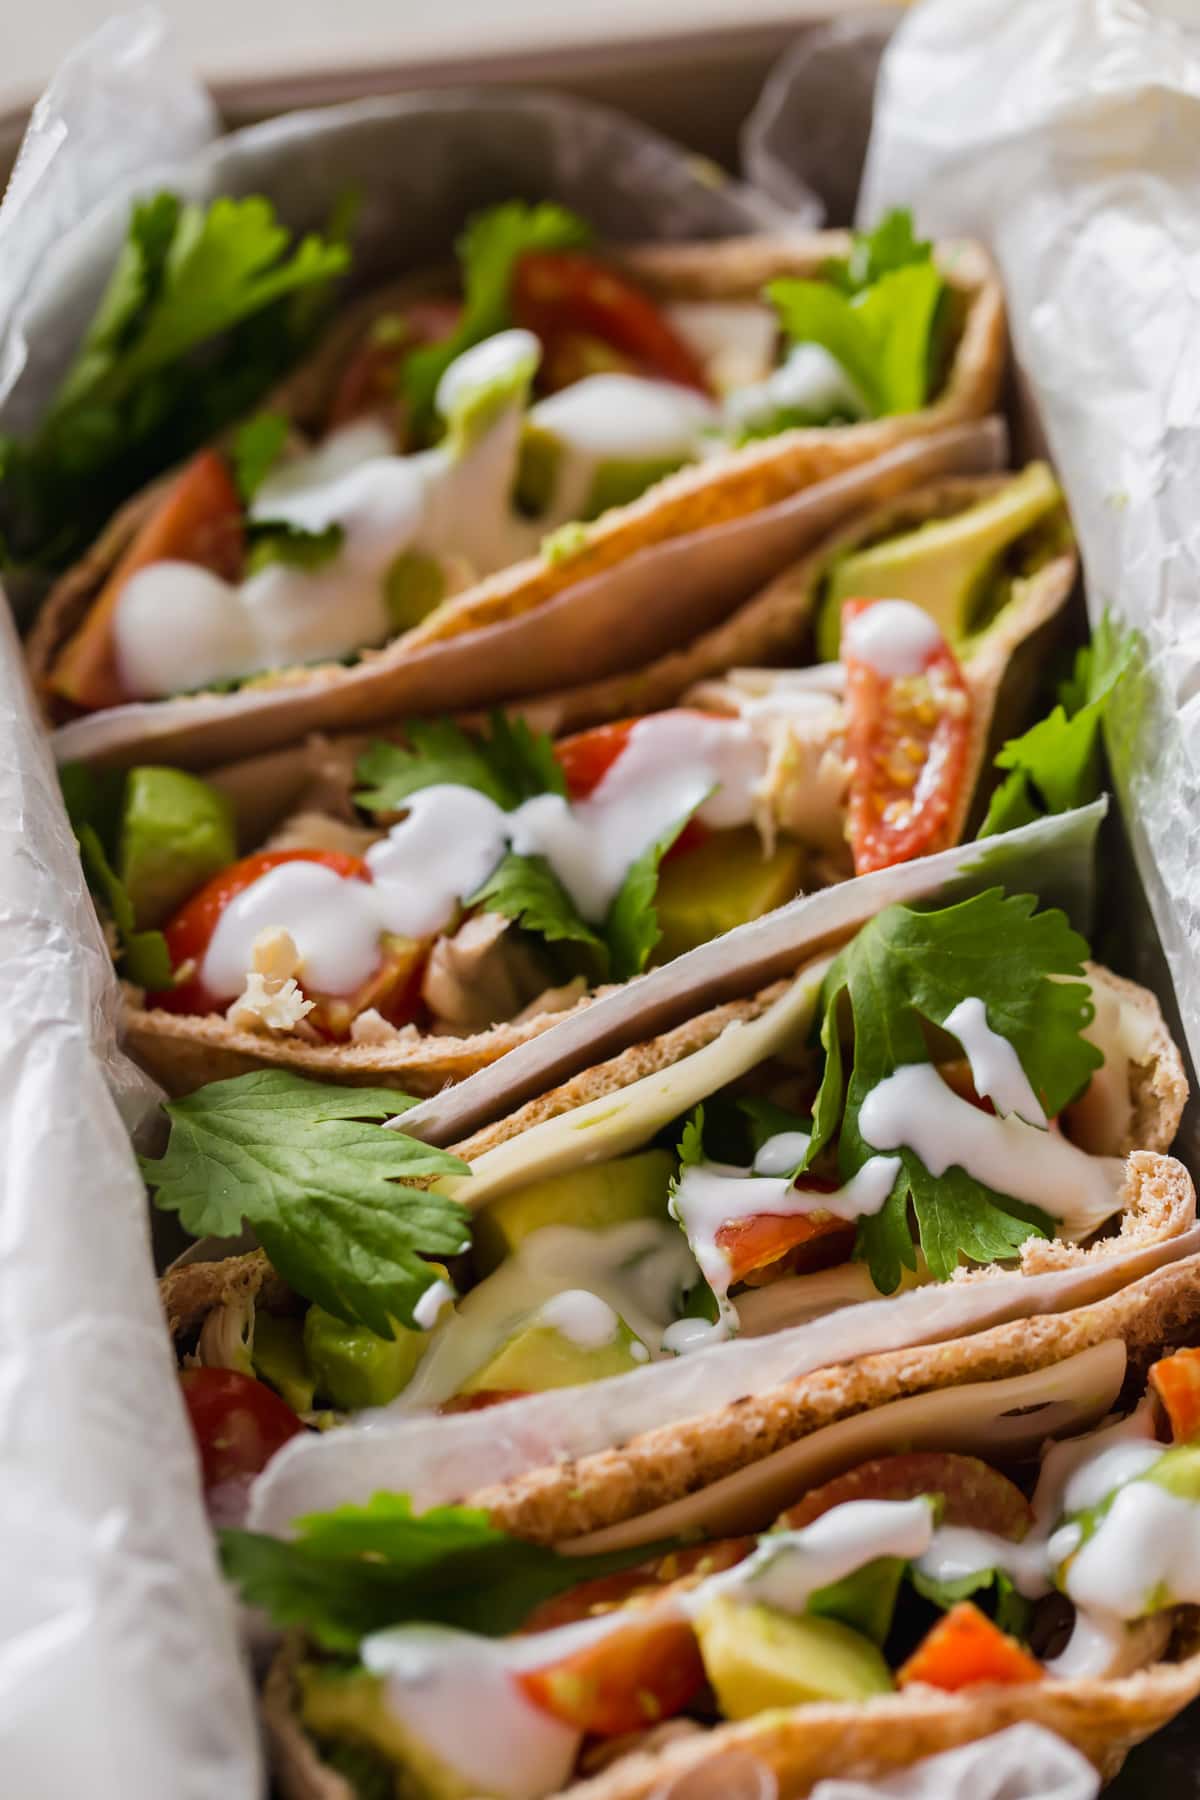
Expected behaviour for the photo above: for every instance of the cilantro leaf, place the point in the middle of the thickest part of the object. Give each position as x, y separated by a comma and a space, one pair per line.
297, 1160
282, 543
691, 1142
488, 252
361, 1569
907, 969
256, 448
526, 890
631, 929
93, 803
201, 314
509, 763
1057, 764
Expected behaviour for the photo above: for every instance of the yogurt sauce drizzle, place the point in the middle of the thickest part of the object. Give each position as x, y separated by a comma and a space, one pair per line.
893, 637
452, 838
178, 626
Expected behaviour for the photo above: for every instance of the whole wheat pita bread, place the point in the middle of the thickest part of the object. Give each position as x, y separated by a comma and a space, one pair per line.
1104, 1718
727, 488
184, 1051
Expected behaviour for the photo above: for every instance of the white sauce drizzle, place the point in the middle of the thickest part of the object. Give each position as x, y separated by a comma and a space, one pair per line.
431, 1305
809, 380
893, 637
1147, 1543
913, 1108
780, 1154
452, 838
995, 1066
584, 1319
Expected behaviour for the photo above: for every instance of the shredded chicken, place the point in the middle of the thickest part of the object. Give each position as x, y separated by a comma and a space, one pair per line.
481, 974
271, 999
370, 1027
553, 1000
317, 831
227, 1336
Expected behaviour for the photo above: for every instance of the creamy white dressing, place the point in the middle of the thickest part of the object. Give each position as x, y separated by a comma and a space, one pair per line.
995, 1066
893, 637
618, 418
584, 1319
1065, 1482
809, 380
782, 1153
959, 1550
452, 838
788, 1567
433, 1302
1146, 1545
915, 1109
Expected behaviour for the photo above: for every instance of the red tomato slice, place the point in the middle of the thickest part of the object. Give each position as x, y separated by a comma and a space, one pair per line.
647, 1581
189, 933
585, 759
564, 295
394, 991
480, 1399
974, 1493
369, 381
1176, 1381
628, 1679
907, 738
238, 1423
198, 520
764, 1239
964, 1649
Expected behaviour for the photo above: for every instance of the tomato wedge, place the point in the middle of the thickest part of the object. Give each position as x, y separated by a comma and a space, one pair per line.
626, 1680
198, 520
238, 1423
758, 1243
907, 738
586, 757
974, 1493
567, 298
369, 382
964, 1649
1176, 1381
646, 1581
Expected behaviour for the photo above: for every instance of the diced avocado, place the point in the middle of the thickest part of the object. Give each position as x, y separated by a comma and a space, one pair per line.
623, 479
942, 566
352, 1367
278, 1356
723, 882
176, 831
350, 1706
609, 1193
866, 1600
539, 460
413, 585
539, 1356
756, 1659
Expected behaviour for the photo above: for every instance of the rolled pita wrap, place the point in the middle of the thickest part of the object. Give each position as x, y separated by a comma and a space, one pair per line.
479, 985
915, 1550
601, 1256
490, 582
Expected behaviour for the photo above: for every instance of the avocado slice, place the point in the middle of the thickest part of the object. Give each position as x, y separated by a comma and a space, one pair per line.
610, 1193
176, 831
278, 1356
756, 1658
350, 1706
621, 480
723, 882
538, 1356
942, 566
352, 1367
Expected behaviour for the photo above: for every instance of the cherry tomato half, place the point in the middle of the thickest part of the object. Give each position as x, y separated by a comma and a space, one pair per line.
239, 1423
585, 759
566, 297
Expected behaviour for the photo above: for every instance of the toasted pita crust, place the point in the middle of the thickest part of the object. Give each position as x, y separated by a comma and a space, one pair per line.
801, 1746
729, 487
184, 1051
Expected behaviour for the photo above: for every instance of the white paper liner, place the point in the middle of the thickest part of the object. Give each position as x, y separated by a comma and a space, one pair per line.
1026, 1762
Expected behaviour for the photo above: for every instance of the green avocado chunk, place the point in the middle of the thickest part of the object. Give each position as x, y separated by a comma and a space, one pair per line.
943, 566
593, 1198
278, 1356
723, 882
757, 1659
350, 1706
539, 1356
352, 1367
176, 831
625, 479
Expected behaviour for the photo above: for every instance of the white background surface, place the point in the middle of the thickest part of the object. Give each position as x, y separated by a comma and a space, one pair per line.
240, 37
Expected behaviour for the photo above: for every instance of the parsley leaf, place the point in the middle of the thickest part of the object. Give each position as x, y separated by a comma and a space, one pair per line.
908, 968
691, 1142
205, 308
1057, 764
272, 542
256, 448
526, 890
297, 1160
631, 929
509, 763
361, 1569
488, 252
93, 803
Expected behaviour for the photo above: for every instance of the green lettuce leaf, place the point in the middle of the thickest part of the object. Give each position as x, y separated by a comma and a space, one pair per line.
891, 245
1010, 1610
298, 1161
508, 762
273, 542
488, 251
362, 1569
256, 449
882, 337
908, 968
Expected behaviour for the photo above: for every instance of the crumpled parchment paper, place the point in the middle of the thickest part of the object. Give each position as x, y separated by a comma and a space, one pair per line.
1026, 1762
1065, 137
